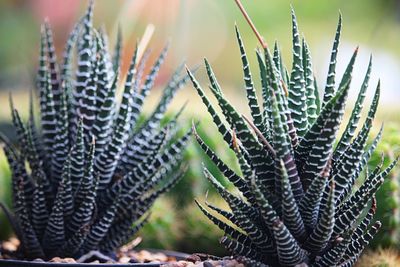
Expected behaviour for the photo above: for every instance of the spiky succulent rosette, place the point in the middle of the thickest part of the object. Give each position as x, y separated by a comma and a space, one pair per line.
298, 203
87, 177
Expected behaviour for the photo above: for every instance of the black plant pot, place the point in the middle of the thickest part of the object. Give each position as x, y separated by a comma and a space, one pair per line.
21, 263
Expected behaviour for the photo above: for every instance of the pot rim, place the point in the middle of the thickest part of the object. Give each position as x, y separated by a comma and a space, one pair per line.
25, 263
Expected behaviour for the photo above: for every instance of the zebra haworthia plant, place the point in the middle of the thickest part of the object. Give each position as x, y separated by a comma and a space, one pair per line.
298, 204
87, 177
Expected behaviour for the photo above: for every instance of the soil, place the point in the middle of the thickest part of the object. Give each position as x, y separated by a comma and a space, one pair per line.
205, 260
9, 250
126, 254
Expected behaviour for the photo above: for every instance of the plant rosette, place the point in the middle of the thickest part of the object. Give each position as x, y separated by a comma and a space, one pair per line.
84, 180
299, 204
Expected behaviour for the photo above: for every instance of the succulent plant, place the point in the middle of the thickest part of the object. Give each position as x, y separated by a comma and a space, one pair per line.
87, 177
298, 205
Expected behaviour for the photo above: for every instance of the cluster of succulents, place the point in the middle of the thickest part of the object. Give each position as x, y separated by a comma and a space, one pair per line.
87, 177
298, 203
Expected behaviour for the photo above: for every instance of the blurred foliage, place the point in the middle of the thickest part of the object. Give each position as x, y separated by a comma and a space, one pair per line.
366, 21
388, 196
380, 258
5, 195
164, 229
181, 229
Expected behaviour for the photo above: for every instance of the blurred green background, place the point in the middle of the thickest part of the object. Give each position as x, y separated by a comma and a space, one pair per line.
205, 28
